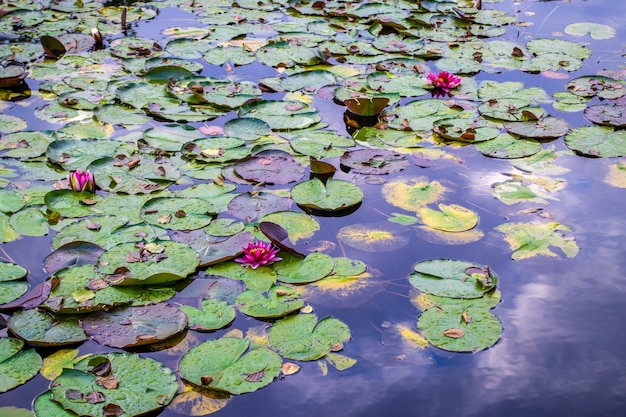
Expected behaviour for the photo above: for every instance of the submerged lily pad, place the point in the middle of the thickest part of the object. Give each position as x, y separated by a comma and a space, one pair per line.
536, 238
302, 337
135, 326
122, 383
448, 327
376, 237
412, 193
226, 364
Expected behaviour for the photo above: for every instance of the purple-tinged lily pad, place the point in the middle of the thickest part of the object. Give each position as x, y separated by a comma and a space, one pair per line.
135, 326
270, 167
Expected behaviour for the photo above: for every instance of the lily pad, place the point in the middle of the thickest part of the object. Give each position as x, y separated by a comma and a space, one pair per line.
508, 146
452, 278
607, 115
45, 329
332, 196
135, 326
78, 154
130, 175
18, 368
278, 301
449, 218
302, 337
376, 237
294, 269
10, 271
537, 238
176, 213
214, 315
546, 128
281, 115
153, 263
412, 193
227, 365
447, 328
374, 161
270, 167
123, 383
79, 290
596, 85
598, 141
70, 203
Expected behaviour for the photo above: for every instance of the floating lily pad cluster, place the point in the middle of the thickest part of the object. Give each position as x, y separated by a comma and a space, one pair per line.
178, 198
455, 298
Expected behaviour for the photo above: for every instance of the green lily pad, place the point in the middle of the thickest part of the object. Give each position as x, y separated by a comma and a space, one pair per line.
223, 94
465, 130
507, 146
319, 143
70, 203
7, 234
40, 328
596, 85
294, 269
11, 124
214, 249
452, 278
78, 154
130, 175
152, 263
44, 406
302, 337
260, 279
227, 365
599, 141
247, 128
135, 326
176, 213
27, 144
116, 114
447, 328
123, 383
281, 115
595, 30
18, 369
79, 290
9, 347
607, 115
105, 231
546, 128
449, 218
309, 81
30, 222
278, 301
12, 290
214, 315
285, 54
171, 137
216, 150
10, 271
332, 196
537, 238
510, 109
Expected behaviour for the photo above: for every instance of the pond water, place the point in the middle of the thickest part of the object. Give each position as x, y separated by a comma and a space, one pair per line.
561, 349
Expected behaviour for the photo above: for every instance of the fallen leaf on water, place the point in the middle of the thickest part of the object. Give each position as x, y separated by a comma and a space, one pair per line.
289, 368
454, 333
255, 376
95, 397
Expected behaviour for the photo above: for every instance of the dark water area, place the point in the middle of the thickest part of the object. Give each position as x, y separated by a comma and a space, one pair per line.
562, 349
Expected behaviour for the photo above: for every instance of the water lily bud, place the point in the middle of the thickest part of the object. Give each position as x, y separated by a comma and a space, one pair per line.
81, 181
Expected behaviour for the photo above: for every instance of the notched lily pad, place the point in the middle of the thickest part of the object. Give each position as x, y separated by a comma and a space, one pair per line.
374, 161
114, 384
228, 365
40, 328
331, 196
215, 314
453, 278
278, 301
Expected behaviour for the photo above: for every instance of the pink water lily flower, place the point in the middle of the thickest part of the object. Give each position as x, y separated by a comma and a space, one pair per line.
442, 82
81, 181
257, 254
